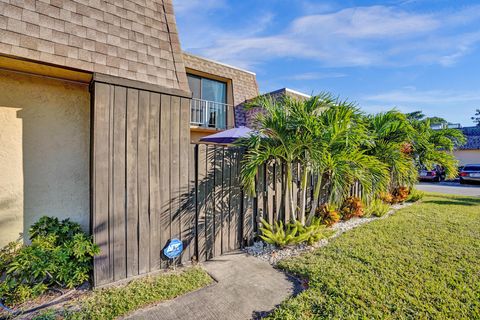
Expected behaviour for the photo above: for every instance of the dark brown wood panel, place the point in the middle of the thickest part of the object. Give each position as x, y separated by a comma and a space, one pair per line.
132, 185
103, 271
143, 183
140, 179
175, 166
185, 211
225, 167
154, 181
218, 203
165, 141
201, 186
119, 180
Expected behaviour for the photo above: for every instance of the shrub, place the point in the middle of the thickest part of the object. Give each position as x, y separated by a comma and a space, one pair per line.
47, 261
352, 207
377, 208
386, 197
292, 233
277, 234
7, 254
313, 233
50, 226
328, 214
415, 195
400, 194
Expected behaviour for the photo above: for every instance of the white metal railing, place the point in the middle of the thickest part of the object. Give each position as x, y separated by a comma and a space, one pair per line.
208, 114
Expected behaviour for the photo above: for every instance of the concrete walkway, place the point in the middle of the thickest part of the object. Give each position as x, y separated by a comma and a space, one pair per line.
246, 289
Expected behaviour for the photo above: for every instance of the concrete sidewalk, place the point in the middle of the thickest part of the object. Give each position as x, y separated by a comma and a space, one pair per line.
247, 288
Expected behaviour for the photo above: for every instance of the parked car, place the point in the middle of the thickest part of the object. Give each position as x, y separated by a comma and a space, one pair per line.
435, 175
470, 173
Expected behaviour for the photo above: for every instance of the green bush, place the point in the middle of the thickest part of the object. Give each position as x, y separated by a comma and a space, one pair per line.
278, 234
377, 208
60, 255
313, 233
50, 226
415, 195
293, 233
7, 254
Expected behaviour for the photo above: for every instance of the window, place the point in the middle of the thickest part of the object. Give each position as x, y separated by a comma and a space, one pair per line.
209, 104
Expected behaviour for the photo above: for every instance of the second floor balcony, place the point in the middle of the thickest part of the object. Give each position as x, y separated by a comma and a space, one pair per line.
209, 114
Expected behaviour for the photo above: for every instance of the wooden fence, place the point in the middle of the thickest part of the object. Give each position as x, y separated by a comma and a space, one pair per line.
227, 218
139, 172
150, 185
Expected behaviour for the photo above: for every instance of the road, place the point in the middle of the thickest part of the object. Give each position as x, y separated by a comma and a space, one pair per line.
450, 188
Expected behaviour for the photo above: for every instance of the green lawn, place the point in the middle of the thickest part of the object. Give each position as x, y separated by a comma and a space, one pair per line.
108, 304
421, 263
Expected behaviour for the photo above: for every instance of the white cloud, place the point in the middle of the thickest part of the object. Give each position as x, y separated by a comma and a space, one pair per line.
360, 36
365, 23
455, 106
413, 96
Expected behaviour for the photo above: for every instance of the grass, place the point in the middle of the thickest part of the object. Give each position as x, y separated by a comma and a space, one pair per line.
115, 302
421, 263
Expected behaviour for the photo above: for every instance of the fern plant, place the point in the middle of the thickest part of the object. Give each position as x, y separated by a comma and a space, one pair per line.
276, 234
377, 208
292, 233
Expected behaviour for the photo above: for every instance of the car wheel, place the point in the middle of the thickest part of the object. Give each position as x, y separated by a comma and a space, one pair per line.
462, 181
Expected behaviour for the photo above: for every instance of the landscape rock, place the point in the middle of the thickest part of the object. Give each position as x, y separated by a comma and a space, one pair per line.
273, 254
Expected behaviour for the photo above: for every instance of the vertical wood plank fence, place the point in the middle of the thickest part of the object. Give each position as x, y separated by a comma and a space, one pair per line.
139, 172
150, 185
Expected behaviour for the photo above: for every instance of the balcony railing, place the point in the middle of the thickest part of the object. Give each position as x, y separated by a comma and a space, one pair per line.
208, 114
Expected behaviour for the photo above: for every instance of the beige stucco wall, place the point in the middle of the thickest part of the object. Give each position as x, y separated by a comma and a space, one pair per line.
467, 156
44, 152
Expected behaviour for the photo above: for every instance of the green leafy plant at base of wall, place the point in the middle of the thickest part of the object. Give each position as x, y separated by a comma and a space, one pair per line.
60, 255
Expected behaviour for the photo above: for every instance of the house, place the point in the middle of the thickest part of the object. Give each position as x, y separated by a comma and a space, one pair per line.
470, 152
98, 109
218, 90
246, 117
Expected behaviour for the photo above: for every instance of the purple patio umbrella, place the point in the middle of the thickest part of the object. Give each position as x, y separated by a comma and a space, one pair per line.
228, 136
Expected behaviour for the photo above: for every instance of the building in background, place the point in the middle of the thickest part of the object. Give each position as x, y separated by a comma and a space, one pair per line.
246, 117
470, 152
217, 91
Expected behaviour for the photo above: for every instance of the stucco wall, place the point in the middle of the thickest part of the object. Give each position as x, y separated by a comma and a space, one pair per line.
44, 152
134, 39
467, 156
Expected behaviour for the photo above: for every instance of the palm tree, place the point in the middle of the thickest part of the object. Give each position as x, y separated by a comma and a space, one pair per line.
391, 134
278, 139
338, 160
434, 147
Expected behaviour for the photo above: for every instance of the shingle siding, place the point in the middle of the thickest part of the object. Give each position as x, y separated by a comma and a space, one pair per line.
134, 39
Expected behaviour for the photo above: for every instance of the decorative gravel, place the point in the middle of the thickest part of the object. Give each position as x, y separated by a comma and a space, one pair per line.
273, 255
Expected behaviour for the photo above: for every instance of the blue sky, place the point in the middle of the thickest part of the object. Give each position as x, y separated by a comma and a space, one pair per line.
410, 54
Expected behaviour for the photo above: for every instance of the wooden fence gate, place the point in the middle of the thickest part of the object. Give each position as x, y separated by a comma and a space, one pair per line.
187, 191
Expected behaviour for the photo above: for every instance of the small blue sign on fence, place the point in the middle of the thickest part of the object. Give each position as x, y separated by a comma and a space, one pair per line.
173, 249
